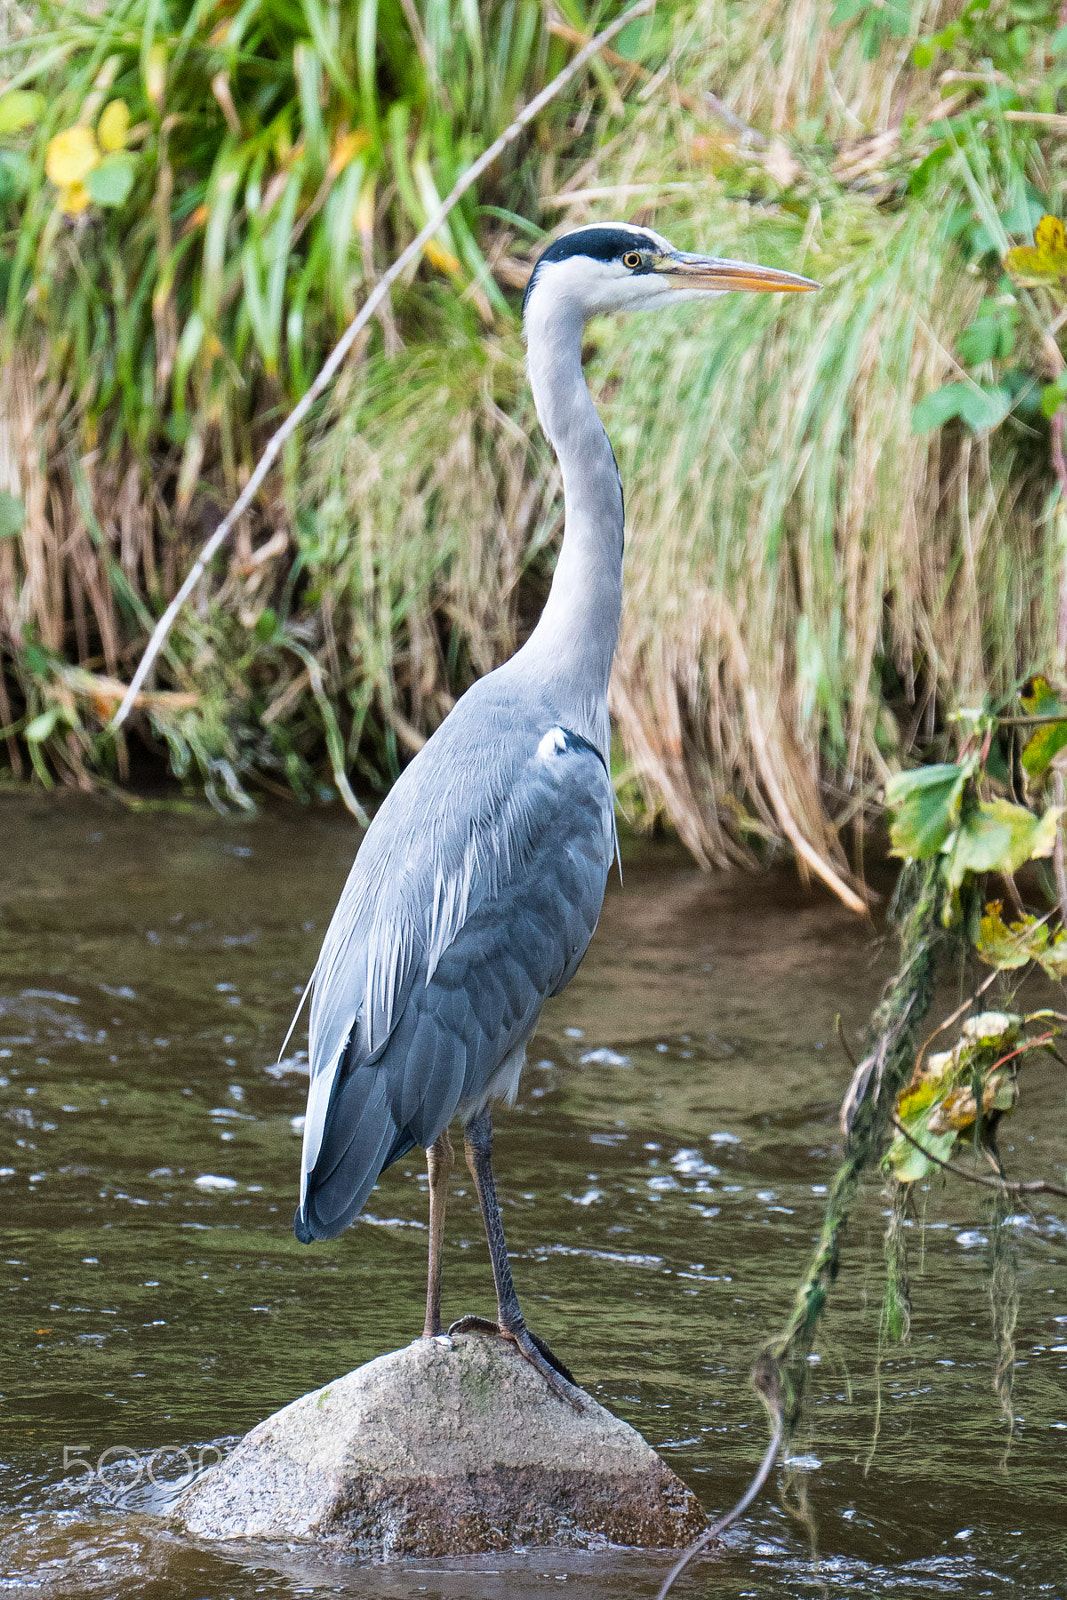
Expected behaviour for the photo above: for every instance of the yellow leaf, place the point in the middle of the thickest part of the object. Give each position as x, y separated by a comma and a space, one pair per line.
363, 216
155, 74
349, 145
71, 156
114, 125
196, 219
441, 258
73, 199
1045, 833
1048, 235
1045, 259
20, 108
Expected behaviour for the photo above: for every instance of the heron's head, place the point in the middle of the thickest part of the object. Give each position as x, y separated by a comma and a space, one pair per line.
613, 266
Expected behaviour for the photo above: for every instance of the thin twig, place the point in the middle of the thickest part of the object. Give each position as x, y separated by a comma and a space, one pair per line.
957, 1014
718, 1528
573, 197
703, 101
839, 1029
1059, 467
351, 333
1049, 119
1031, 722
1040, 1043
721, 110
1005, 1185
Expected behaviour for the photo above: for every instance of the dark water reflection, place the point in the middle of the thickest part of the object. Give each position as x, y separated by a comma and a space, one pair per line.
663, 1177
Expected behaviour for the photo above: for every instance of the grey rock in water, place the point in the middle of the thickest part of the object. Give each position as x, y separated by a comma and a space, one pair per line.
448, 1447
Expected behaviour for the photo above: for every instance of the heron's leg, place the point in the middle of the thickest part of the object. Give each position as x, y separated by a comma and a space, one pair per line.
478, 1141
440, 1160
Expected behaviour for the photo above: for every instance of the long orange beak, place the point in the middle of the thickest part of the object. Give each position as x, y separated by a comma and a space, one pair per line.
685, 271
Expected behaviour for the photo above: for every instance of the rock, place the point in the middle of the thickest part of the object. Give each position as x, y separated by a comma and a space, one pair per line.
448, 1447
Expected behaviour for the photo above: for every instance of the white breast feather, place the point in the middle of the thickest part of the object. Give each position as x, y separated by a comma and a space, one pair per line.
553, 744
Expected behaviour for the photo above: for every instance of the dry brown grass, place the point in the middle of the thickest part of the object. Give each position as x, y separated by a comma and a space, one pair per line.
809, 584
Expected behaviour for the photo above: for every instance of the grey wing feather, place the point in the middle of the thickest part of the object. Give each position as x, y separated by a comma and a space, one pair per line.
474, 903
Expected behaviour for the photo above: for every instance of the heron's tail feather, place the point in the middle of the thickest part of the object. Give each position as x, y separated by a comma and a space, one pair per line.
361, 1137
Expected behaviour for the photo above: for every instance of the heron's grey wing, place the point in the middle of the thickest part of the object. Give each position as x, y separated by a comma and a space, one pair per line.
518, 944
500, 928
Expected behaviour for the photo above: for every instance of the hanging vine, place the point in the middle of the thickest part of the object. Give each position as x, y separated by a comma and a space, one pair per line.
956, 825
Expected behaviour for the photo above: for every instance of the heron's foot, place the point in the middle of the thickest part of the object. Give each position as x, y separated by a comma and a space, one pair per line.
558, 1377
473, 1325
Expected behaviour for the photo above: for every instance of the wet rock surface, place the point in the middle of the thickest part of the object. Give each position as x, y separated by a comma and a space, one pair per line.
446, 1447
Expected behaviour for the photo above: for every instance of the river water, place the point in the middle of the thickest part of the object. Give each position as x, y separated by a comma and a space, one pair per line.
663, 1177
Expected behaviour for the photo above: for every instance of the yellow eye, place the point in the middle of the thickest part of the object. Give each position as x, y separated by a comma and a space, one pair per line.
631, 259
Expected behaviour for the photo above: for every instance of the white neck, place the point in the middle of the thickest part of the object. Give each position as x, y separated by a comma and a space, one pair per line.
573, 645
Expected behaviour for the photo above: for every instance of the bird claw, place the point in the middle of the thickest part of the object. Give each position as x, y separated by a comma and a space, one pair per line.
471, 1324
558, 1377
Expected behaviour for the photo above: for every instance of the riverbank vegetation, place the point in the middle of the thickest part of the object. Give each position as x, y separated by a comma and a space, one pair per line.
925, 1104
843, 513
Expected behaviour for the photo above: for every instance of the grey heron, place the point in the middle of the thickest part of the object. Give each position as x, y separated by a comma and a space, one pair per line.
477, 887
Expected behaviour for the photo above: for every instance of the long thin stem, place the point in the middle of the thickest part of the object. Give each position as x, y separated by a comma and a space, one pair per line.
1059, 467
348, 338
763, 1472
1004, 1185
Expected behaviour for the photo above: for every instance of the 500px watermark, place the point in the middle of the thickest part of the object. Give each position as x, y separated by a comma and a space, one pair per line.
121, 1468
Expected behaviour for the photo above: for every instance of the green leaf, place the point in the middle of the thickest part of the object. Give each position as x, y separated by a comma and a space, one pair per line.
318, 18
896, 20
982, 409
998, 836
920, 178
15, 175
979, 408
991, 336
1052, 396
926, 807
266, 624
1009, 945
110, 181
634, 40
12, 515
37, 659
952, 1089
42, 726
908, 1164
1053, 959
845, 10
20, 109
1048, 740
937, 408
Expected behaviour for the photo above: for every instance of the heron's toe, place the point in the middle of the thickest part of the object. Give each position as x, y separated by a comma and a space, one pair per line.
552, 1359
558, 1377
551, 1369
474, 1325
